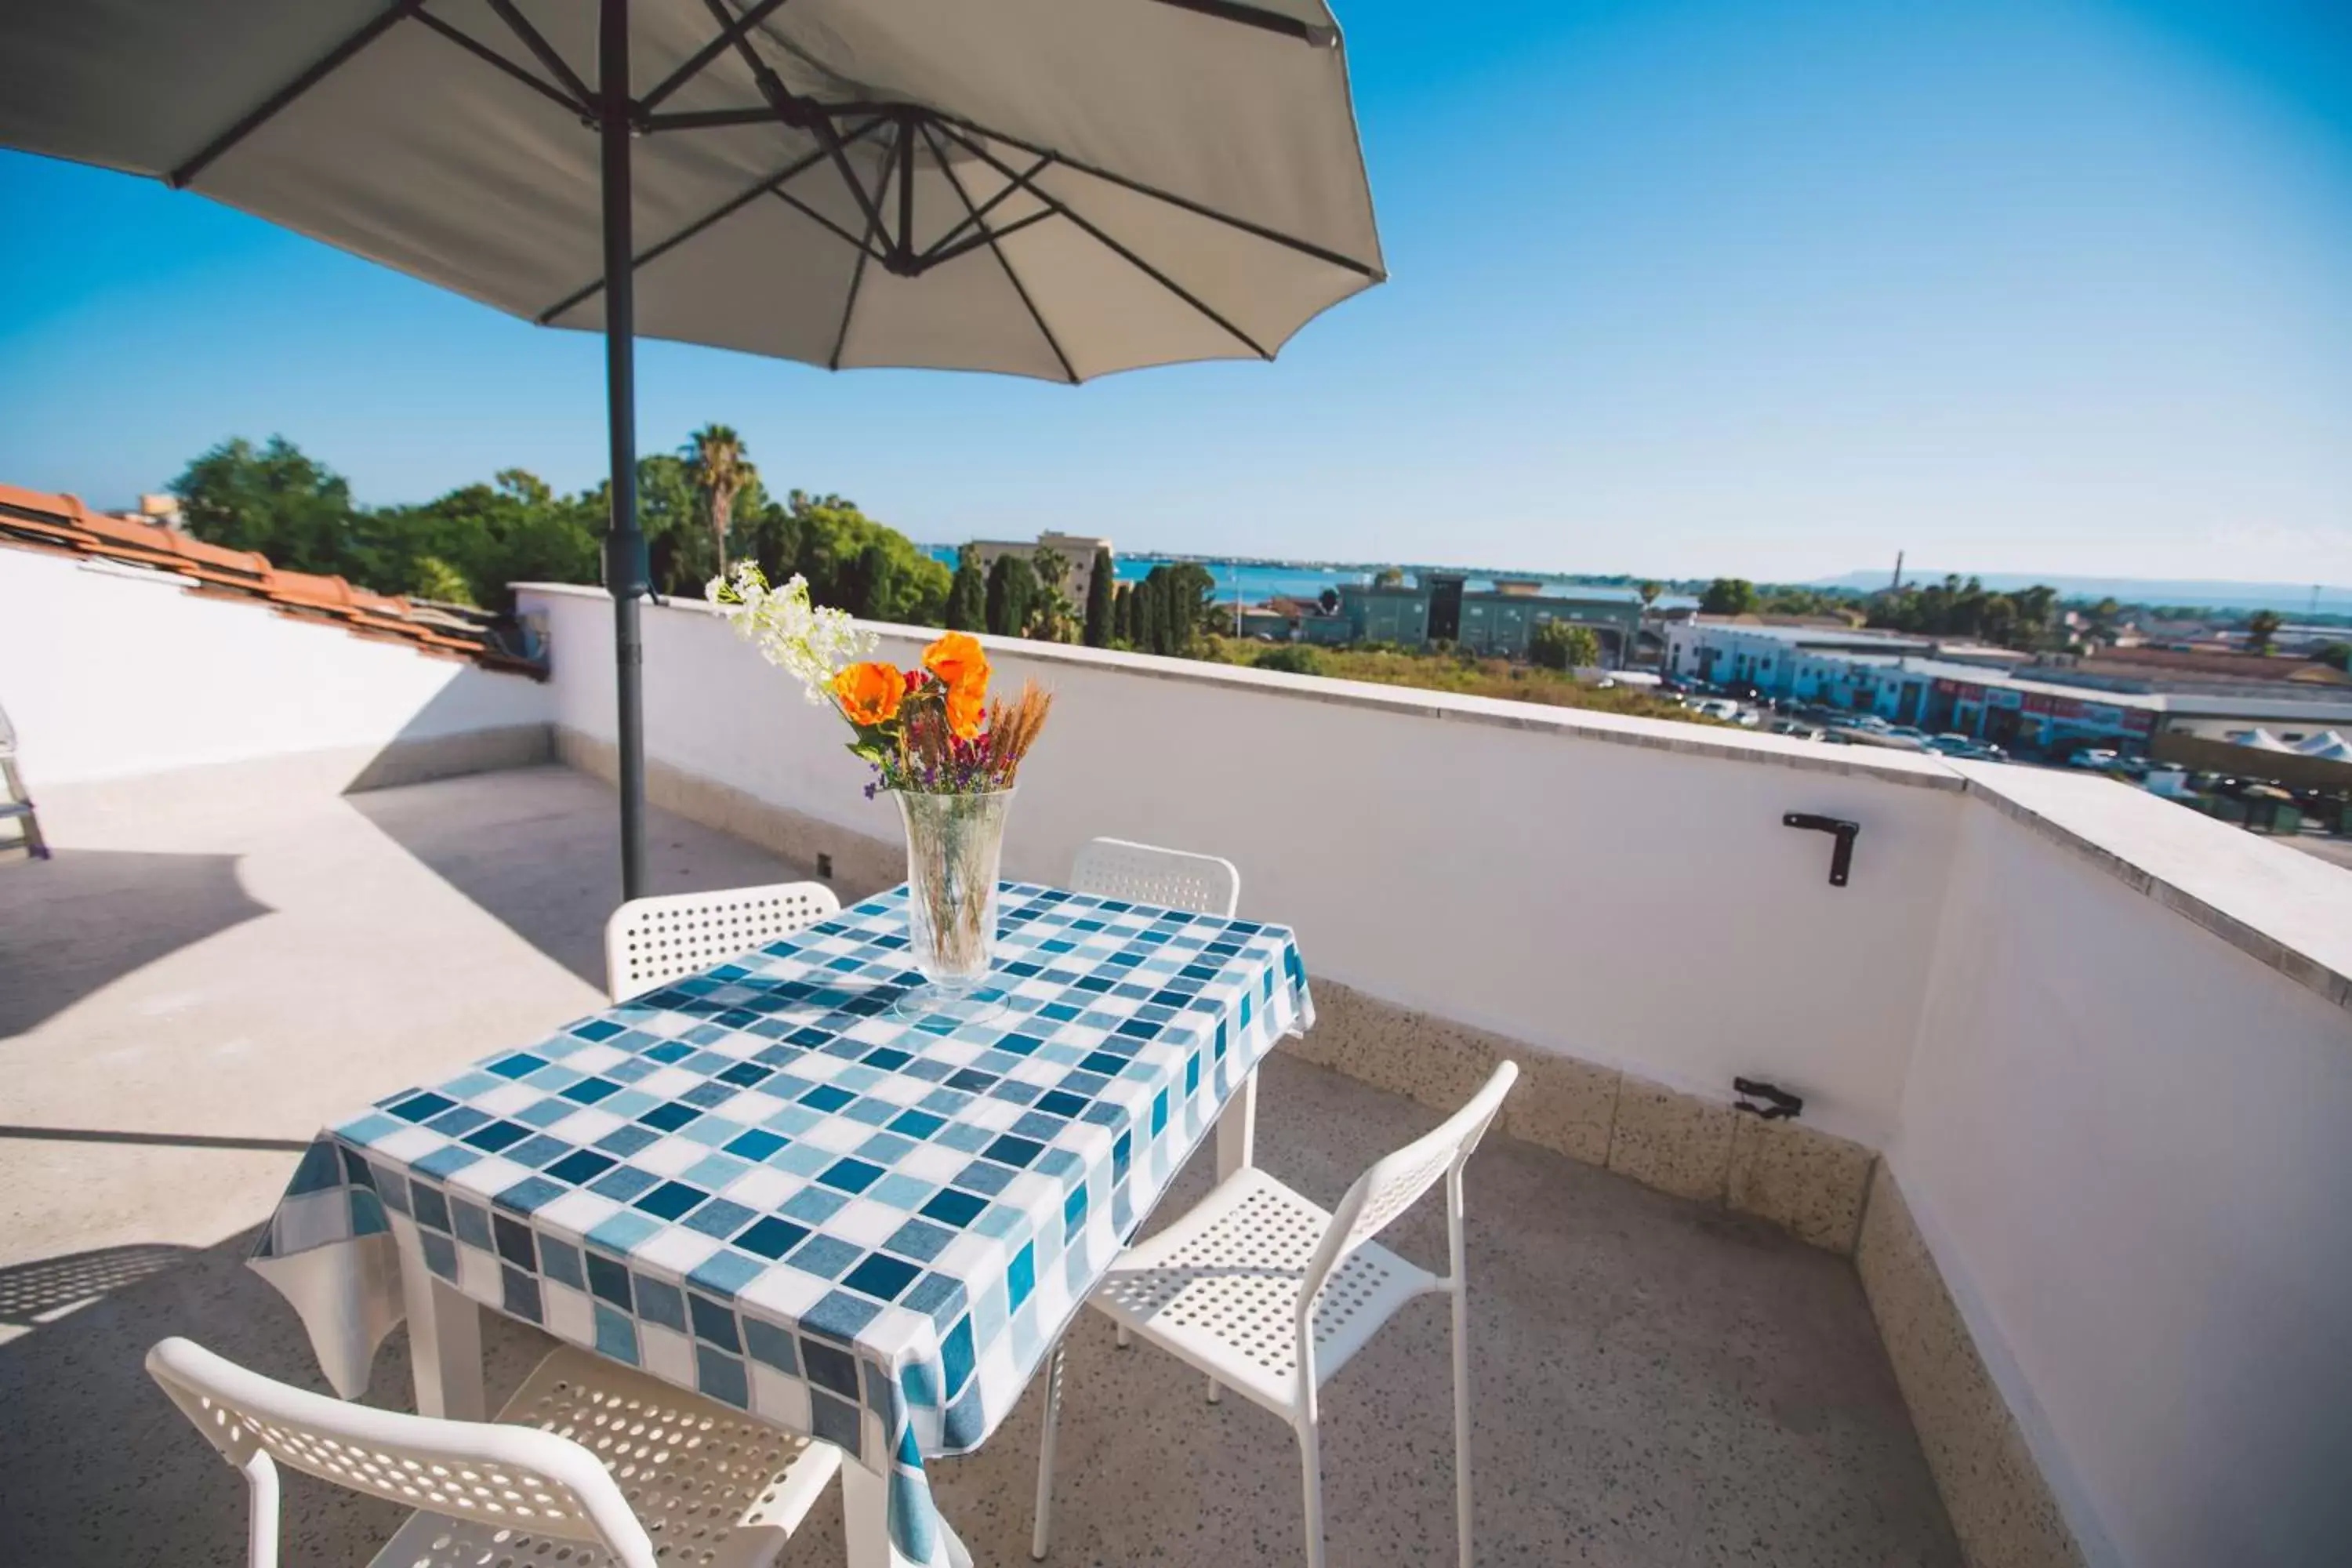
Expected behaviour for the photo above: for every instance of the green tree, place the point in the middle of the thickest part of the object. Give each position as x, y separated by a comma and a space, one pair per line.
871, 590
1564, 644
1649, 593
1389, 577
274, 500
1728, 596
2262, 629
720, 469
436, 579
1052, 617
1122, 616
826, 540
2336, 656
967, 606
1099, 585
1012, 585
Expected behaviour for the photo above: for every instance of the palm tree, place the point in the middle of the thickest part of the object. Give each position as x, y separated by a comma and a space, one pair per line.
721, 468
2261, 626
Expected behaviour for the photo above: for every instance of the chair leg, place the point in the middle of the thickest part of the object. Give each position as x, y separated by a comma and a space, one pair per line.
1123, 1340
1041, 1532
1462, 1420
1310, 1460
1216, 1391
261, 1499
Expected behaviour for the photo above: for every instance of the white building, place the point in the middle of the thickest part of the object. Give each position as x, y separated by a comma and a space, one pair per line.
1076, 549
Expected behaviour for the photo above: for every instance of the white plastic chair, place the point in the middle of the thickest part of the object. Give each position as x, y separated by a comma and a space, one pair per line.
1173, 879
650, 942
646, 1474
1271, 1295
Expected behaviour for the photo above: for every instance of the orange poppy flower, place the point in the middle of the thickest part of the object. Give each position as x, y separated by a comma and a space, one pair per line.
958, 659
967, 705
869, 693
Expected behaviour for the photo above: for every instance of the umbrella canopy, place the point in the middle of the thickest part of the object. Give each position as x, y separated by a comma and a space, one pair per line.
1055, 188
2330, 747
2261, 739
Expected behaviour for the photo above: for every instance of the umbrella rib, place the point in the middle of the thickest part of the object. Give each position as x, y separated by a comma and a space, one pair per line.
732, 204
702, 58
536, 42
1250, 16
863, 247
1121, 251
939, 250
793, 112
937, 257
1259, 231
489, 55
857, 277
1002, 261
268, 109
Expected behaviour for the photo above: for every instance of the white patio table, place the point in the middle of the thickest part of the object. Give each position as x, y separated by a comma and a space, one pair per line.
759, 1183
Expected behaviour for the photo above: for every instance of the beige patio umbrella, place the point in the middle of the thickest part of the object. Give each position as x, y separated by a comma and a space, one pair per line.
1055, 188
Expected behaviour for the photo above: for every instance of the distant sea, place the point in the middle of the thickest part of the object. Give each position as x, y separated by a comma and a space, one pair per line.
1258, 580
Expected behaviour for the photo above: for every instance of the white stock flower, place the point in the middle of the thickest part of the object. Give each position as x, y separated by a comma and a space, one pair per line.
787, 629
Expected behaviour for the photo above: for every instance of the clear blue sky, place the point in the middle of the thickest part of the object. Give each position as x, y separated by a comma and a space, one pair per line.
1683, 287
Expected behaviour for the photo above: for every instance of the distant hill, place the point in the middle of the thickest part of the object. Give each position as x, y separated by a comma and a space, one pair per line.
2289, 599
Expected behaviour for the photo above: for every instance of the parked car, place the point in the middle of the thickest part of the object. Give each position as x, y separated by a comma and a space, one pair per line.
2095, 757
1951, 742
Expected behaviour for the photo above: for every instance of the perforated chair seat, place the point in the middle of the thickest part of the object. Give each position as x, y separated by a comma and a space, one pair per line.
1220, 1288
713, 1487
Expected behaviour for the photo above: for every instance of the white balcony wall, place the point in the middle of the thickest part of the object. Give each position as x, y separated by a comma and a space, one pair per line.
2124, 1140
109, 671
1560, 879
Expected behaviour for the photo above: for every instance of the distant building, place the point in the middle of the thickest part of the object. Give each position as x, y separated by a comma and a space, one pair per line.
1077, 549
1498, 622
1998, 695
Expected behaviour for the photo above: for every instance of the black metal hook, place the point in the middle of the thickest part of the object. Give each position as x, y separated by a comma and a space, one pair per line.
1841, 858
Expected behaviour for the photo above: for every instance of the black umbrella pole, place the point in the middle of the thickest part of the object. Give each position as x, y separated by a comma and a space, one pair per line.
625, 542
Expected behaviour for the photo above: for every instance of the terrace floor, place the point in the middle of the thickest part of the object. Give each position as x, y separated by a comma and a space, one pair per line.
215, 965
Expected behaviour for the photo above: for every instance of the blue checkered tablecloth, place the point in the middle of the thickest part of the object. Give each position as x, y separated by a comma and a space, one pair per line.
760, 1183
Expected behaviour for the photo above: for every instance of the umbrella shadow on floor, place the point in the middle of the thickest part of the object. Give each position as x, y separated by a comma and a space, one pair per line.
539, 849
75, 923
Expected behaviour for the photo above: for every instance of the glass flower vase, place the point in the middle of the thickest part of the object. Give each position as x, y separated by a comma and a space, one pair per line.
953, 845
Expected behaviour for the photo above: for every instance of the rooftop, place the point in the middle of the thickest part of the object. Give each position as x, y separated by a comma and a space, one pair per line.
2050, 1272
1661, 1383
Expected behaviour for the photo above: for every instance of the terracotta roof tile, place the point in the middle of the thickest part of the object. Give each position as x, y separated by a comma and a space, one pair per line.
38, 520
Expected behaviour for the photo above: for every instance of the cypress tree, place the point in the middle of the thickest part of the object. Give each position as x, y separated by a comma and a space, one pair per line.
1151, 622
1098, 602
968, 595
877, 584
1011, 588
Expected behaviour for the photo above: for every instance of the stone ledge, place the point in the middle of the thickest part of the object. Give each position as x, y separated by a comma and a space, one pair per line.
1808, 1183
2002, 1509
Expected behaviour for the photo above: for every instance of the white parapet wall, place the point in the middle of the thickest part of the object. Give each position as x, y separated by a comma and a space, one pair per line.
2103, 1042
111, 671
1515, 869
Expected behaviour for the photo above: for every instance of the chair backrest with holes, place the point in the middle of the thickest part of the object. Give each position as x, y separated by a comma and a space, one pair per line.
1396, 1182
532, 1482
649, 942
1173, 879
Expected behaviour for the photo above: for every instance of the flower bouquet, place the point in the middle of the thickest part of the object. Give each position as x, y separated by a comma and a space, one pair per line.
937, 742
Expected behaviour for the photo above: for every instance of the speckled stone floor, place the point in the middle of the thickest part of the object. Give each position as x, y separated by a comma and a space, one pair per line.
1657, 1383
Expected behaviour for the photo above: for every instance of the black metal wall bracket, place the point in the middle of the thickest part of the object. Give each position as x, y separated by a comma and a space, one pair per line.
1841, 858
1778, 1105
